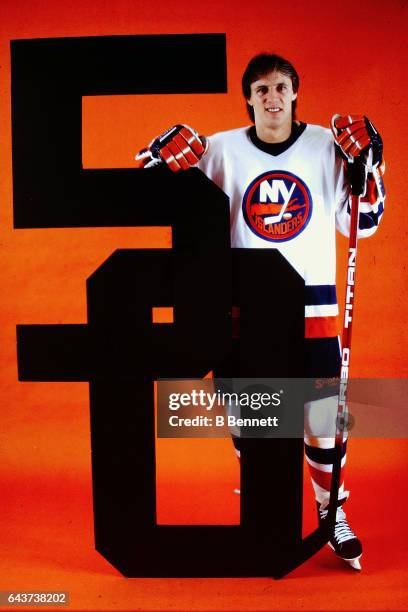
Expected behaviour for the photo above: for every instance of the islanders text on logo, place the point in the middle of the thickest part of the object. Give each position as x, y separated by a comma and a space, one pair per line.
277, 206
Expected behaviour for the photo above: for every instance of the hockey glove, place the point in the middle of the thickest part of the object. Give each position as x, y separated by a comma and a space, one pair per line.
180, 147
356, 137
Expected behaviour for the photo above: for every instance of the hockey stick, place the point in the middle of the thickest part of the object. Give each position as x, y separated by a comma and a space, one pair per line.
358, 179
318, 538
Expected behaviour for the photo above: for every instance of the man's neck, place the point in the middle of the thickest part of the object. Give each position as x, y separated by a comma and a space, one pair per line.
276, 148
276, 135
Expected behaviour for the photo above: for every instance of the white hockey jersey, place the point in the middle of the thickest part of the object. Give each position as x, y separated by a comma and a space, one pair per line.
293, 202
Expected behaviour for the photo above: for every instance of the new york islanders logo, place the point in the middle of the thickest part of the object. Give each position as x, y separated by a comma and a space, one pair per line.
277, 206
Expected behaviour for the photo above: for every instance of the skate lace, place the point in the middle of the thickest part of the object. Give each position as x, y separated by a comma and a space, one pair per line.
342, 530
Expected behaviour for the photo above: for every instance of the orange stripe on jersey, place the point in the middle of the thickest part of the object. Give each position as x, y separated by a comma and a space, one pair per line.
321, 327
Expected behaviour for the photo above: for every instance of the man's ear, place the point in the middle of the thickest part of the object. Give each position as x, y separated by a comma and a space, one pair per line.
294, 96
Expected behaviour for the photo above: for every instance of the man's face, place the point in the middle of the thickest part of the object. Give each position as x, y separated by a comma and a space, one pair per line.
271, 98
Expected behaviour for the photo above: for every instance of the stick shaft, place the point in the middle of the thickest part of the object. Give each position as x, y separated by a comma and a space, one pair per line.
345, 354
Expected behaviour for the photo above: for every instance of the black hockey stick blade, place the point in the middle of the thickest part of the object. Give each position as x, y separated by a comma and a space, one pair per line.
318, 538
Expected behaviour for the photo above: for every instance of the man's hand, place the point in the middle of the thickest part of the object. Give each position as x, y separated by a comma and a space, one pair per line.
180, 147
356, 137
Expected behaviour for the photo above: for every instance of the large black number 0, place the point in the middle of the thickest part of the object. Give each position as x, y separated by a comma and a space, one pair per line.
121, 352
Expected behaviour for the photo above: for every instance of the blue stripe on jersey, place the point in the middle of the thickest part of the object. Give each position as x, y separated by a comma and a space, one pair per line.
316, 295
323, 455
382, 188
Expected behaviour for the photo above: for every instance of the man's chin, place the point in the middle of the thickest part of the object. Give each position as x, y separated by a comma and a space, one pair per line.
278, 120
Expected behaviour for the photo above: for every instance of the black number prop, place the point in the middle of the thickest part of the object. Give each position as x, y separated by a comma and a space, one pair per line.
49, 78
120, 351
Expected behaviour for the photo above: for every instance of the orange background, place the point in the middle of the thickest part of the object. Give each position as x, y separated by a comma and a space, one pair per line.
351, 58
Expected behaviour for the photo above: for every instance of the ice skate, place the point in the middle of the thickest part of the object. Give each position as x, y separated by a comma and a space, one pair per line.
344, 542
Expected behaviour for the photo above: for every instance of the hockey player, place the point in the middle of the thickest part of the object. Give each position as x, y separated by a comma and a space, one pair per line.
287, 182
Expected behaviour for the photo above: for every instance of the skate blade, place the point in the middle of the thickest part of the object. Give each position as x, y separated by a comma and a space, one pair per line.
354, 563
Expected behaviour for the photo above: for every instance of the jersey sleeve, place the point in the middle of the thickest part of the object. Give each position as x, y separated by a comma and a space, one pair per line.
212, 163
371, 203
